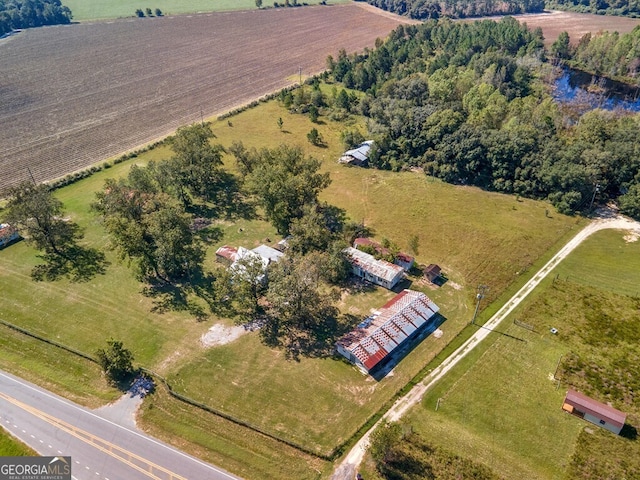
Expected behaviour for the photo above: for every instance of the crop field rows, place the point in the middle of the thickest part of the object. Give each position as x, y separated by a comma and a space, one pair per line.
75, 95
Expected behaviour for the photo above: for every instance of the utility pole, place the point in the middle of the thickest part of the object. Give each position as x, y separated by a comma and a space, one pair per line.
482, 291
596, 189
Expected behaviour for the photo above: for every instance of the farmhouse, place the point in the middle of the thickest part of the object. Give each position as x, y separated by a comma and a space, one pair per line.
373, 341
380, 272
264, 254
358, 156
401, 259
593, 411
8, 234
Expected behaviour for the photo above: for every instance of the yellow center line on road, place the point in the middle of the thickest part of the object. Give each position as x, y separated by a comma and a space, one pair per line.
148, 468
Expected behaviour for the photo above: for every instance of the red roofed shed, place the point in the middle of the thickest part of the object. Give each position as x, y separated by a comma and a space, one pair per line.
593, 411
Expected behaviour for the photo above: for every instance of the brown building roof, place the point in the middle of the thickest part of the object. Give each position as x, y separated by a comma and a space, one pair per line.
593, 407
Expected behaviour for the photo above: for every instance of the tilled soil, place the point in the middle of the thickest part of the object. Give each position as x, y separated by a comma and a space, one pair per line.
71, 96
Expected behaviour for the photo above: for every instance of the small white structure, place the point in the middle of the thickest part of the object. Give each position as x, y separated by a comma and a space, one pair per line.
264, 254
358, 156
8, 234
380, 272
377, 337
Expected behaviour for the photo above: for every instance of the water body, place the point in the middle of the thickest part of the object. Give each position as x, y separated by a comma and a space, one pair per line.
584, 89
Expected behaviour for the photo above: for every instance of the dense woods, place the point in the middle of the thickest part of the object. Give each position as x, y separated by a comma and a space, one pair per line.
32, 13
431, 9
468, 104
609, 54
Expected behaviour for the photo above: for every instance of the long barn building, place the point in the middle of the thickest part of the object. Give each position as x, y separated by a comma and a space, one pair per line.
375, 339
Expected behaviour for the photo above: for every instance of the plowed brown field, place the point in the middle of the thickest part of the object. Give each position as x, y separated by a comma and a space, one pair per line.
575, 24
75, 95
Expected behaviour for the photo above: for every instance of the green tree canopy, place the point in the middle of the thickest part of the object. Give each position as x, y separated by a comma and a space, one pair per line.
283, 181
39, 216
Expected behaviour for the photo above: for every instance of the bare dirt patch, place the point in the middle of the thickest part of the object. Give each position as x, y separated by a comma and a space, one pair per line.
220, 335
632, 236
71, 96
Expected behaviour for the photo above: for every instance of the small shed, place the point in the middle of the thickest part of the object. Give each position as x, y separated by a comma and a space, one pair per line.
593, 411
226, 255
432, 272
358, 156
8, 234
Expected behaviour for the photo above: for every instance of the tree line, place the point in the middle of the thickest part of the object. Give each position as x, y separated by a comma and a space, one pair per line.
626, 8
606, 54
467, 102
433, 9
15, 14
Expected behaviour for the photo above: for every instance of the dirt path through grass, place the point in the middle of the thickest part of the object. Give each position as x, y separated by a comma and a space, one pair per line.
347, 469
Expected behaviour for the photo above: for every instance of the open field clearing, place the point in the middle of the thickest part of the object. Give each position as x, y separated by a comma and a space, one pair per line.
94, 10
318, 402
502, 406
576, 24
75, 95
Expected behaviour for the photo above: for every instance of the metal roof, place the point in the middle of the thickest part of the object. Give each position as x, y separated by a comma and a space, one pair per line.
601, 410
227, 252
380, 268
398, 319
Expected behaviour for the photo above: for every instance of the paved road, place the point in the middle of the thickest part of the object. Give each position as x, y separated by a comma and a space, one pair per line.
347, 468
100, 449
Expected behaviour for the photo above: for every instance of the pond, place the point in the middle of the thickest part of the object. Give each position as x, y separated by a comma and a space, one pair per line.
586, 90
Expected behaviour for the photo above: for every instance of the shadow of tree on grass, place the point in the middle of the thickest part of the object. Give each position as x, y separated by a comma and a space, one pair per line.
79, 264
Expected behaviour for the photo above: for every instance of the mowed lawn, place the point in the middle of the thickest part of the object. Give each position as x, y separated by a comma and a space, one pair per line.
502, 407
474, 235
103, 9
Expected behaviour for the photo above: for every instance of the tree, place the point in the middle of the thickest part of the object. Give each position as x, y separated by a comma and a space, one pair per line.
139, 13
351, 138
194, 170
315, 138
313, 113
149, 12
560, 48
248, 282
300, 316
151, 229
630, 202
284, 181
280, 123
38, 215
259, 3
383, 441
116, 361
158, 12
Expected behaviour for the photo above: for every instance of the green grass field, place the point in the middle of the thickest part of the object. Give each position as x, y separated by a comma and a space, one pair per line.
474, 235
501, 406
104, 9
11, 447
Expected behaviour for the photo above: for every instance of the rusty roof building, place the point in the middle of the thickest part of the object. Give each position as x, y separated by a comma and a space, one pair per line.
380, 272
378, 336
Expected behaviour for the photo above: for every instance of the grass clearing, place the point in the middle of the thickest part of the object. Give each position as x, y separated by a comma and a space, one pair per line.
12, 447
95, 10
474, 235
500, 405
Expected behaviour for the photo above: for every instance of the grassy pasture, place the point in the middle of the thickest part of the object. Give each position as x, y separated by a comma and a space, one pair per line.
11, 447
474, 235
501, 406
95, 10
